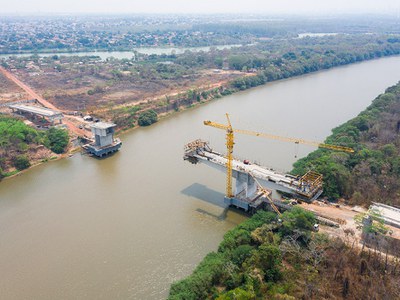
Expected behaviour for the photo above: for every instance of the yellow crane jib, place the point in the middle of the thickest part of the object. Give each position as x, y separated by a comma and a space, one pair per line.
282, 138
230, 142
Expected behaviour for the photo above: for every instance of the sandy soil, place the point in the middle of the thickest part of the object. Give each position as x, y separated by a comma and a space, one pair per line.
344, 213
9, 91
34, 95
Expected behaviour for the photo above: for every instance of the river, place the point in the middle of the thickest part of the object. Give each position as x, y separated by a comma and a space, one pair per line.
125, 54
127, 226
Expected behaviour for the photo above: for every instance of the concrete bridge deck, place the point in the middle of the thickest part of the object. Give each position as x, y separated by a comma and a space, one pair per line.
268, 177
38, 111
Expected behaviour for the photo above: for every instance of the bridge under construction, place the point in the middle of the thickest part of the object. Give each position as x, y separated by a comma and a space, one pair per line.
251, 178
38, 111
307, 187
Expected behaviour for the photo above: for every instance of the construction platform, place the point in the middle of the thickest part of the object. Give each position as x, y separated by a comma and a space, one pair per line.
103, 151
104, 142
307, 187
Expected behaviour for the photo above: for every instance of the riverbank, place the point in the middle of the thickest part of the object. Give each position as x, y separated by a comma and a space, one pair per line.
372, 173
77, 223
264, 258
180, 102
23, 146
259, 258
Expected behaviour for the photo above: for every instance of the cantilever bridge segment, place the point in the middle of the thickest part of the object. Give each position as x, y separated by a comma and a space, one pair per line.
307, 187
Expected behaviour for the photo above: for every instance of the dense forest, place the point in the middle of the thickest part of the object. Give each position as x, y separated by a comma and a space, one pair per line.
372, 173
20, 144
263, 258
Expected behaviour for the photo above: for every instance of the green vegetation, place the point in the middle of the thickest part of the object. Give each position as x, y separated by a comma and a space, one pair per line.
15, 135
125, 117
21, 162
147, 118
377, 224
276, 60
372, 173
17, 140
266, 259
56, 140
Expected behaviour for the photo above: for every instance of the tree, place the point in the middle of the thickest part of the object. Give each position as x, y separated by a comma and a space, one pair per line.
57, 140
238, 294
147, 118
21, 162
270, 260
297, 219
371, 222
241, 253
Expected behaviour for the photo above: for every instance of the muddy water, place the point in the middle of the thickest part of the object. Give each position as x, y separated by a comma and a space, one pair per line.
127, 226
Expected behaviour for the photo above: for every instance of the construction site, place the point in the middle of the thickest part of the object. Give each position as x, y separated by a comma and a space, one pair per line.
97, 138
251, 187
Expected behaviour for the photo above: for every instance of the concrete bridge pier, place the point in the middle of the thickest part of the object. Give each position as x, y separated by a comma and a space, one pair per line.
245, 184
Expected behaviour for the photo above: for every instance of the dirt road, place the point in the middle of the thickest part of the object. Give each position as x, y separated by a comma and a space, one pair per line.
71, 127
344, 213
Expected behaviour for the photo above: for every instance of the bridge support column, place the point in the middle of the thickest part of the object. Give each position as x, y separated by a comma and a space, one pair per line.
245, 184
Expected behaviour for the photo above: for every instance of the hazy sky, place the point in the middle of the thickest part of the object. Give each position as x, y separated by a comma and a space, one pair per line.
199, 6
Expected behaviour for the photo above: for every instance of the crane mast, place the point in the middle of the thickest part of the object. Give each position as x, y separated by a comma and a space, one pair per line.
229, 157
230, 143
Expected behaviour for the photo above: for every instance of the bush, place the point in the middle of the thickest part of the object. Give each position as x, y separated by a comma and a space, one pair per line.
21, 162
270, 261
241, 253
57, 140
297, 219
147, 118
201, 281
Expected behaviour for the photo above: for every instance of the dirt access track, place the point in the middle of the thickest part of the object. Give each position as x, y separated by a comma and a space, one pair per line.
71, 127
344, 213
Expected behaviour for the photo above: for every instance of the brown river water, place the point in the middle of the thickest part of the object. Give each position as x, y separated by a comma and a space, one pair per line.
127, 226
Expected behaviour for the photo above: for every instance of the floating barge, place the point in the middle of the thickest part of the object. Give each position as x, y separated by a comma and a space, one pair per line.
104, 142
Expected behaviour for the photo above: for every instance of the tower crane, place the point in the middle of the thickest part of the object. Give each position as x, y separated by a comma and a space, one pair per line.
230, 143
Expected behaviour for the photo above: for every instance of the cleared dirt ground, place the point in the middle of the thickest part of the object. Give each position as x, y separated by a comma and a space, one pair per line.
94, 85
9, 91
344, 213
